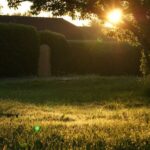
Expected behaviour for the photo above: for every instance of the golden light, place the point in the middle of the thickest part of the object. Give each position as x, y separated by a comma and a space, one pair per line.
115, 16
108, 25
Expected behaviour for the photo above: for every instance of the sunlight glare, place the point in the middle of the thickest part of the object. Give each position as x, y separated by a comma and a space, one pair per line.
115, 16
108, 25
25, 7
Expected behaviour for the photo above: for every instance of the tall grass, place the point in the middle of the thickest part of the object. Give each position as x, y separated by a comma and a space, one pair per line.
91, 113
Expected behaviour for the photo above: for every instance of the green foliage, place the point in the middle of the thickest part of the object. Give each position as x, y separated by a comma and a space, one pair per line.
104, 58
19, 49
121, 35
146, 86
135, 18
135, 24
90, 57
59, 51
144, 68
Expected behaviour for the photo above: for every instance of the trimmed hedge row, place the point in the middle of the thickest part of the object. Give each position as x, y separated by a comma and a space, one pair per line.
19, 54
90, 57
103, 58
19, 50
60, 56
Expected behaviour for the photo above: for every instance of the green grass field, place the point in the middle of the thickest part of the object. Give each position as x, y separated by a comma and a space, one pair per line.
74, 113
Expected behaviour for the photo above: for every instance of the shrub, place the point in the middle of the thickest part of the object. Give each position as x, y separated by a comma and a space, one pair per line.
59, 51
107, 58
19, 48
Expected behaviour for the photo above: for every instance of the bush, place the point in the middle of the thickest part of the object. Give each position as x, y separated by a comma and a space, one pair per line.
19, 48
59, 51
107, 58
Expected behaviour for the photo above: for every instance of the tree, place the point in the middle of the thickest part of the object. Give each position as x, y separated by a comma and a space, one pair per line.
136, 19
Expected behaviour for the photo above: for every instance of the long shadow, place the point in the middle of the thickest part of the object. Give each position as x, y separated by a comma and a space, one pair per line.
74, 91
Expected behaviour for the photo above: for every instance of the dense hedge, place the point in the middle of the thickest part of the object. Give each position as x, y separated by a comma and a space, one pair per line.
90, 57
60, 57
104, 58
19, 50
19, 54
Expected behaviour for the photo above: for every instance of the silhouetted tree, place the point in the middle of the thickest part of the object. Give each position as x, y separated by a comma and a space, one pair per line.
136, 19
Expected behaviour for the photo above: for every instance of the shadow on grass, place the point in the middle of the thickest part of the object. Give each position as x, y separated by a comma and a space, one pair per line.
75, 91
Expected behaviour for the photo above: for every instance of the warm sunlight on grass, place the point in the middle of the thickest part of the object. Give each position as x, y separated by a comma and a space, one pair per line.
74, 113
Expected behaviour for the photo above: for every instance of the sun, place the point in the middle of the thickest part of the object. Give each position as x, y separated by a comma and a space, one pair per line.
115, 16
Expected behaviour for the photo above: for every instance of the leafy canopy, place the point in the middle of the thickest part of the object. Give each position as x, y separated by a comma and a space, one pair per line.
136, 13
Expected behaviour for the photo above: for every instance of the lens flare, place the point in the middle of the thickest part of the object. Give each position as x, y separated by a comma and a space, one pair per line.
37, 128
115, 16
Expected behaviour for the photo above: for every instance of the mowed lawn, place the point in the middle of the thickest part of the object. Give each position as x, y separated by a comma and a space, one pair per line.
74, 113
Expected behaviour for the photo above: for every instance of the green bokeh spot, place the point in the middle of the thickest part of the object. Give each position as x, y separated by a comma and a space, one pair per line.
37, 128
